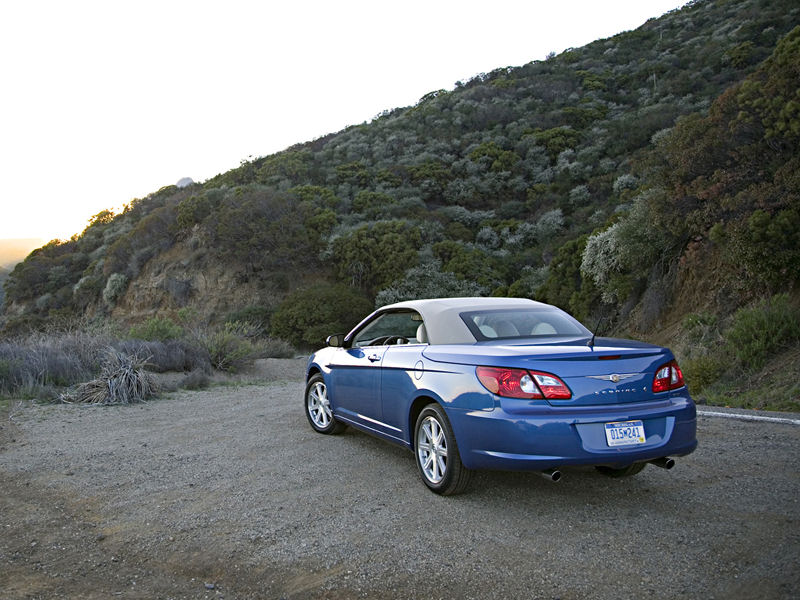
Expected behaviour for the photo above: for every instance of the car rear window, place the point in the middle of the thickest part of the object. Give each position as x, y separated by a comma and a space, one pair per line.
521, 323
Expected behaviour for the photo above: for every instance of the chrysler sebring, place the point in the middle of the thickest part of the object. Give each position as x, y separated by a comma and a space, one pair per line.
501, 383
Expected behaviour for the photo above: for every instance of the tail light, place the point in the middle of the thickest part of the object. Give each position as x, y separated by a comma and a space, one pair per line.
521, 383
668, 377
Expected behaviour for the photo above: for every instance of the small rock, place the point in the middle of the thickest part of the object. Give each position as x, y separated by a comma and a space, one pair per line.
210, 586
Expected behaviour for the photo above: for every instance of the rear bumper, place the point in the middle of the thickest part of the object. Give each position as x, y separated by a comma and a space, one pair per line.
550, 437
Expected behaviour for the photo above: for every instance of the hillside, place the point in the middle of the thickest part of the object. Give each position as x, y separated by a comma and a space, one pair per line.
649, 178
13, 251
3, 276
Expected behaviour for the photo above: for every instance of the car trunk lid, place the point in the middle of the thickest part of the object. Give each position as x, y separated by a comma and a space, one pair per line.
610, 372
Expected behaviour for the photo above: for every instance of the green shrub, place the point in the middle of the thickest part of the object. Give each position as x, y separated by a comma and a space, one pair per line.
757, 333
188, 316
309, 315
228, 347
770, 247
157, 329
702, 329
192, 210
115, 286
254, 315
530, 281
702, 371
693, 321
87, 290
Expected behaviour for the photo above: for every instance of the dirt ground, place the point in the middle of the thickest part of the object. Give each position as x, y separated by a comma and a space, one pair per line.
226, 493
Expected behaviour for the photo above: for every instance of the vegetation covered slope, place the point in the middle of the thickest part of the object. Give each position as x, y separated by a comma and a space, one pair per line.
649, 178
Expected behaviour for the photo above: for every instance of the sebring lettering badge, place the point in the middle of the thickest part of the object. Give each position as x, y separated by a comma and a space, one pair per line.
616, 378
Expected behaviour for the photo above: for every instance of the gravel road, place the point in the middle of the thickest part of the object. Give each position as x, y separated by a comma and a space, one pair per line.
227, 493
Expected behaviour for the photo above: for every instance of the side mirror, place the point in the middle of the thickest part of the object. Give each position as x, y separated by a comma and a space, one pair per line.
335, 341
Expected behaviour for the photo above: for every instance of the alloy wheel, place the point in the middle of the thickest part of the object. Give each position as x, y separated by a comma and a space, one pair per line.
432, 450
319, 407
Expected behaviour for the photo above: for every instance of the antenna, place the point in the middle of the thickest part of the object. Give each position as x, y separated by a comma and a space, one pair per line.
590, 343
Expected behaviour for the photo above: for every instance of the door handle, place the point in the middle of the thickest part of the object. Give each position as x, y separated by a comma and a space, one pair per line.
373, 357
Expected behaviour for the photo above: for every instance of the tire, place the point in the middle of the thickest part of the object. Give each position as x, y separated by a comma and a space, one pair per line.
318, 407
628, 471
436, 452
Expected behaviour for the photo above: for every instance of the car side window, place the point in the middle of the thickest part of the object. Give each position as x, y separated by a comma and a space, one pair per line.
390, 329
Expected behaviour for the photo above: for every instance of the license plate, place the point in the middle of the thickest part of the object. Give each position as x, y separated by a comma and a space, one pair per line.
625, 433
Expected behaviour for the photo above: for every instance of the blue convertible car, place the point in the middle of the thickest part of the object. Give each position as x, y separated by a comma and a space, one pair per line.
501, 383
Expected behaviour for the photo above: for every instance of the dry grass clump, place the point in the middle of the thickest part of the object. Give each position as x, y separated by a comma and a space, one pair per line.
172, 355
42, 364
276, 348
123, 380
39, 362
196, 380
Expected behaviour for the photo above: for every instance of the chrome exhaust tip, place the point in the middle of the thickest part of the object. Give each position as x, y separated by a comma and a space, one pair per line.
551, 474
664, 462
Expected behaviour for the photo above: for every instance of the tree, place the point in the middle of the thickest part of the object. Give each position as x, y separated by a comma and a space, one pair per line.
565, 286
432, 177
771, 97
494, 158
292, 166
769, 247
428, 281
192, 211
355, 173
102, 218
467, 263
556, 140
260, 228
373, 256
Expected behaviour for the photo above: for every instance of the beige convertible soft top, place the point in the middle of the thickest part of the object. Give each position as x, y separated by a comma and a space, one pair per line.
442, 320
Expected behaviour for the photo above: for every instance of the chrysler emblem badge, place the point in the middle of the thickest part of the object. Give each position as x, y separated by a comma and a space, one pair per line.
614, 378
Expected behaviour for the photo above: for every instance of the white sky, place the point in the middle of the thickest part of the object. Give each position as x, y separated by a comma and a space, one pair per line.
105, 101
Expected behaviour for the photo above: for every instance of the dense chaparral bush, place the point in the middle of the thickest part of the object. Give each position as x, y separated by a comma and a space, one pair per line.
157, 328
756, 332
310, 314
